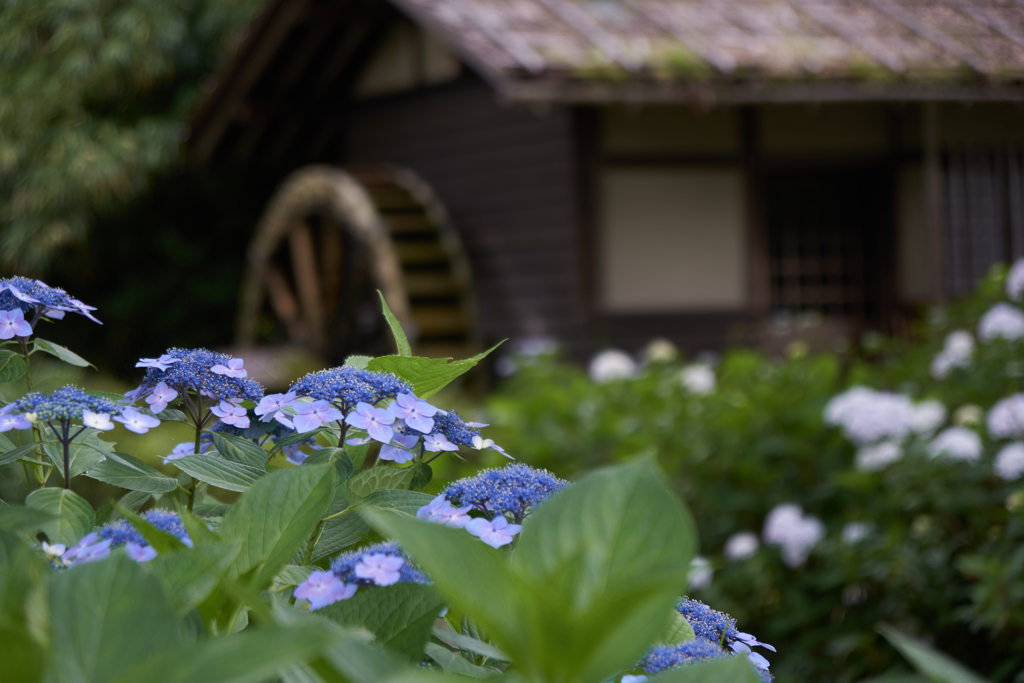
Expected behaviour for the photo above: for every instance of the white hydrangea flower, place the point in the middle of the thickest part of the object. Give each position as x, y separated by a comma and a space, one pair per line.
956, 353
698, 378
786, 525
867, 416
1002, 320
1015, 280
968, 415
855, 532
741, 546
700, 573
956, 444
1006, 418
927, 417
877, 456
660, 350
1009, 464
611, 365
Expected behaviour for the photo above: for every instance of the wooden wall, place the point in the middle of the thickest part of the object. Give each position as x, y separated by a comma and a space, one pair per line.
506, 174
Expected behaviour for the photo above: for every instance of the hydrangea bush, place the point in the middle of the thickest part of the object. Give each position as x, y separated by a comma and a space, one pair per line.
833, 491
340, 557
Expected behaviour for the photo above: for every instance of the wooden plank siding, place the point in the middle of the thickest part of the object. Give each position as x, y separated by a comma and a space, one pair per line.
507, 176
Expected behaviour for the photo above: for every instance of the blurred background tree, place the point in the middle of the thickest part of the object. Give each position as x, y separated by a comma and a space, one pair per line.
95, 96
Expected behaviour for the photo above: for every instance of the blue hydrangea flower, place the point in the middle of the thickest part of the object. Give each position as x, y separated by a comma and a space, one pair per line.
511, 490
97, 545
346, 386
63, 405
345, 565
191, 370
36, 299
450, 425
664, 657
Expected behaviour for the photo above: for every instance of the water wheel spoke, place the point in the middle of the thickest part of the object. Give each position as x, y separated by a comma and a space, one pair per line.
331, 255
307, 282
284, 303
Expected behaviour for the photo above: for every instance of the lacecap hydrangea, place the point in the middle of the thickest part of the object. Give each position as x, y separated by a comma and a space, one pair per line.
382, 564
35, 299
98, 544
716, 637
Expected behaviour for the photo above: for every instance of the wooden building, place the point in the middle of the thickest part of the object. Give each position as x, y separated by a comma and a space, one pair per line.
617, 170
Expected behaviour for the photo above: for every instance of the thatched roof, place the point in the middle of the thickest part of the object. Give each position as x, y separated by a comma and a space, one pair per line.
534, 42
301, 56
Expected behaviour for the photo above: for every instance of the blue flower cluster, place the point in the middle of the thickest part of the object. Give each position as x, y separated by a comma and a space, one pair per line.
716, 637
64, 404
670, 656
348, 386
97, 545
512, 490
345, 565
451, 424
122, 532
33, 297
191, 370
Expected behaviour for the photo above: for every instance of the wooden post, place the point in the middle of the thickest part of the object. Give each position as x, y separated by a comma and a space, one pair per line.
934, 200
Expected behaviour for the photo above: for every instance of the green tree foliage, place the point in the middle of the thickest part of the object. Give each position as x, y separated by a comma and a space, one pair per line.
95, 97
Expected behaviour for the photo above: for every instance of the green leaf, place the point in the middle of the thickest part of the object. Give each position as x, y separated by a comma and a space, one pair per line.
427, 375
292, 439
380, 477
470, 644
276, 517
400, 616
161, 541
475, 578
188, 576
358, 361
61, 353
12, 366
679, 630
292, 575
72, 516
396, 499
401, 341
197, 530
422, 475
241, 450
607, 559
128, 472
106, 617
934, 665
343, 531
20, 452
172, 415
23, 520
6, 444
218, 471
248, 657
85, 452
729, 670
455, 663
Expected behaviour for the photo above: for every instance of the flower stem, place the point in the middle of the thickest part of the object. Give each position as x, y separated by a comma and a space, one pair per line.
312, 542
36, 434
67, 456
199, 435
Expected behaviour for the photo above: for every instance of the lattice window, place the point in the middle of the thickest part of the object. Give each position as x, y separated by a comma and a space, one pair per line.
984, 193
824, 239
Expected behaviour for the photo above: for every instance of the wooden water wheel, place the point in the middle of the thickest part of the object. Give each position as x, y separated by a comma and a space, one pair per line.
329, 239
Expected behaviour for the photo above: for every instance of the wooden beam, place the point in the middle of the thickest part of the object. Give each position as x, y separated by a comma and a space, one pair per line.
934, 200
307, 282
252, 59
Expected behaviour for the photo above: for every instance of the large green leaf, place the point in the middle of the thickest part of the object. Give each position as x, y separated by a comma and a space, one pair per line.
349, 529
23, 520
378, 478
23, 451
397, 499
474, 577
218, 471
188, 576
85, 452
105, 618
71, 515
455, 663
240, 450
12, 366
427, 375
934, 665
128, 472
61, 352
249, 657
276, 517
401, 341
606, 559
470, 644
399, 616
729, 670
